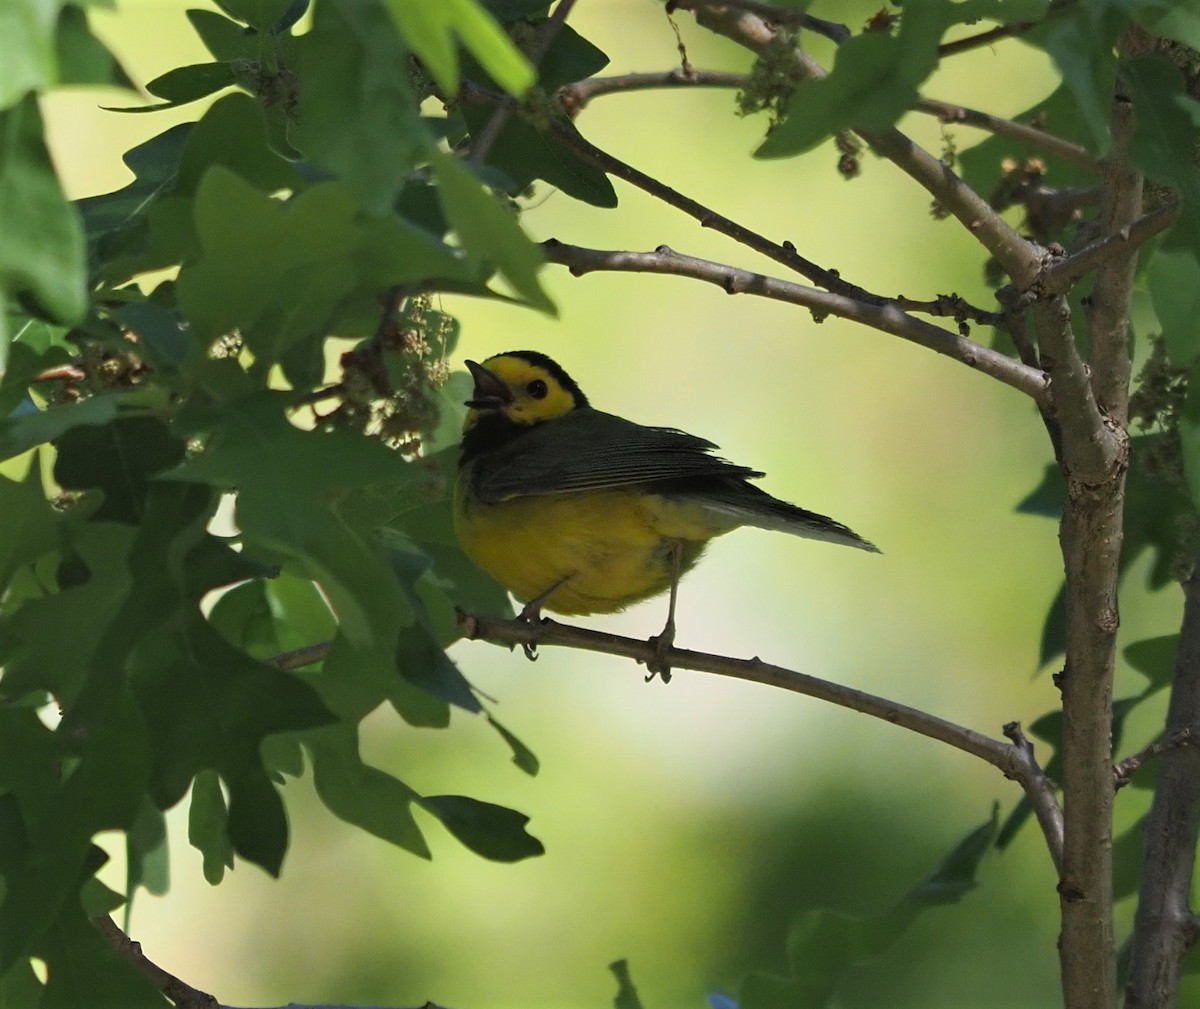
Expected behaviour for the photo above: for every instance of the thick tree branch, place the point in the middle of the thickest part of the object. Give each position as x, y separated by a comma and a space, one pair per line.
1021, 259
1108, 316
886, 317
1095, 448
1164, 926
1013, 761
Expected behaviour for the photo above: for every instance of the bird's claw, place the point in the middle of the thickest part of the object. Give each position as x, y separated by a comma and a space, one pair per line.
658, 664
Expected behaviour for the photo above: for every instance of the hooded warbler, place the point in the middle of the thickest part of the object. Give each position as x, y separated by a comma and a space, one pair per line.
579, 511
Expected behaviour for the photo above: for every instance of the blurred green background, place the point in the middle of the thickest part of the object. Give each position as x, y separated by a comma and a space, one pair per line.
687, 825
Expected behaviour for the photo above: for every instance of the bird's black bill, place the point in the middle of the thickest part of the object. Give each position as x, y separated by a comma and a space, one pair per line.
490, 392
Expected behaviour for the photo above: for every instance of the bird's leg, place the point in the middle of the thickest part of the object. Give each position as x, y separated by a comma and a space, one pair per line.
531, 612
663, 641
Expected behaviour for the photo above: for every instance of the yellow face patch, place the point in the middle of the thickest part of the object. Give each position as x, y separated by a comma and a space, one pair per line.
536, 394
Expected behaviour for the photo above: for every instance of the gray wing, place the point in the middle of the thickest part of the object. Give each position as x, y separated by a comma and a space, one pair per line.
591, 450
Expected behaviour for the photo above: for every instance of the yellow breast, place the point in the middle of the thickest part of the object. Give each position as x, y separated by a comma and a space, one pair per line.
612, 547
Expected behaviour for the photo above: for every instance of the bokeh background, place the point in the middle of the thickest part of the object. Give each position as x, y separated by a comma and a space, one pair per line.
687, 825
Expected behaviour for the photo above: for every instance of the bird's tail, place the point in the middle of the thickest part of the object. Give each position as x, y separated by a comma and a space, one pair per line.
748, 505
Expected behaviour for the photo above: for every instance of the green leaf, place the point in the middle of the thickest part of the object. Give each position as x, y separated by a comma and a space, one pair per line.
420, 654
1081, 43
1172, 19
1173, 278
81, 57
28, 523
1189, 435
28, 30
81, 964
1127, 861
522, 755
286, 274
42, 263
183, 85
119, 459
360, 794
1154, 658
284, 476
225, 39
627, 995
147, 853
260, 14
116, 222
93, 582
824, 945
873, 82
1166, 121
233, 134
495, 832
983, 166
358, 119
570, 58
208, 826
20, 987
489, 232
434, 28
525, 153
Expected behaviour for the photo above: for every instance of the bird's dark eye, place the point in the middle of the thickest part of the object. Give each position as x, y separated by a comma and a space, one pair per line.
537, 389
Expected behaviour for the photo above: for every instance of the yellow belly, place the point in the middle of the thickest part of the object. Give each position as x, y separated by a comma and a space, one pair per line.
608, 548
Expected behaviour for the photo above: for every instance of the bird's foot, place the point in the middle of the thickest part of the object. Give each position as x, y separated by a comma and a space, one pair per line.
662, 642
531, 613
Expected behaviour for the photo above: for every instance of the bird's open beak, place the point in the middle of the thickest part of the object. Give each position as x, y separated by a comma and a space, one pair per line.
490, 392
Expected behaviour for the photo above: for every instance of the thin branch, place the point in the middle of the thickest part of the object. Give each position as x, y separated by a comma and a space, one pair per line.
1015, 762
1041, 792
1124, 770
1065, 273
788, 16
1030, 136
886, 317
577, 95
986, 38
482, 144
784, 252
180, 992
1164, 925
1000, 32
1021, 259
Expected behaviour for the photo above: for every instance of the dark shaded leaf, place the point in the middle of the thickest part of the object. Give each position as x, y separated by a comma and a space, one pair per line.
495, 832
208, 826
627, 995
525, 153
82, 58
187, 84
362, 795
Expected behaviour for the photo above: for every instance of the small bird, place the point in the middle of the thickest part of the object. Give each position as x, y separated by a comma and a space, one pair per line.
578, 511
